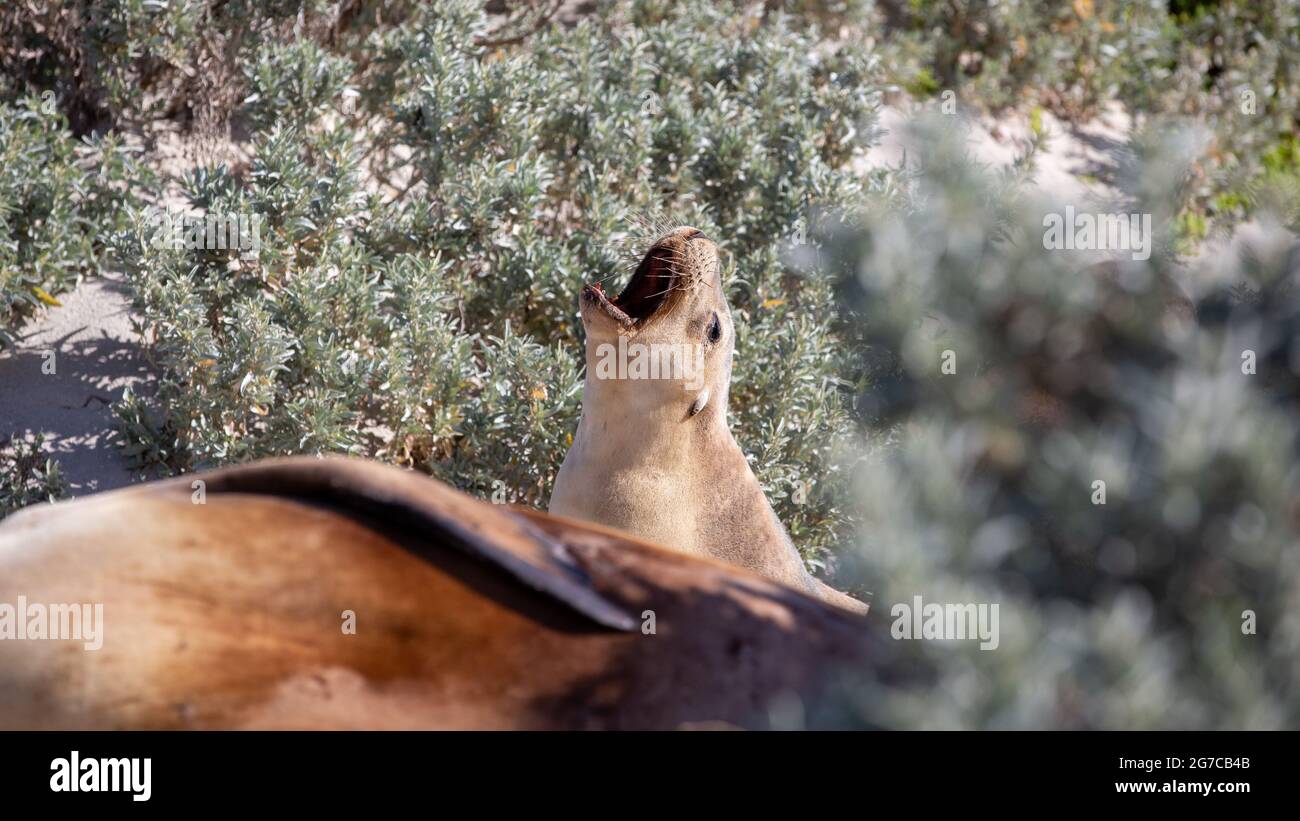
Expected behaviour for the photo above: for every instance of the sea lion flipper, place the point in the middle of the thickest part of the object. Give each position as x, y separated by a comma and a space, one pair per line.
436, 515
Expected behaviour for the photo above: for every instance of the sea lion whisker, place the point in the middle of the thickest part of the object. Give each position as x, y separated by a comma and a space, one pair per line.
668, 290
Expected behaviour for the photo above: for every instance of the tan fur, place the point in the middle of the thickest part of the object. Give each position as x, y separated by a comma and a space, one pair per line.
640, 460
469, 615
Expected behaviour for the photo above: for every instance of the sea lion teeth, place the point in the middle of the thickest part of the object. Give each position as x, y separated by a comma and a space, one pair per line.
653, 455
595, 295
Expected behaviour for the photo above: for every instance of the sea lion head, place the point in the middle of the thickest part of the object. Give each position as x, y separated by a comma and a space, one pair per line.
668, 337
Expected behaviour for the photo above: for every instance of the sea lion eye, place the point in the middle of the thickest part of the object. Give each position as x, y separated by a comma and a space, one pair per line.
715, 330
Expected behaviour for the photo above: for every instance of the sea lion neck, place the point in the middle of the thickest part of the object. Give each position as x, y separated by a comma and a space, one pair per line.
652, 454
652, 420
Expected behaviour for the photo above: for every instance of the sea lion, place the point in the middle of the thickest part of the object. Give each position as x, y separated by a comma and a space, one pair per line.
653, 455
336, 593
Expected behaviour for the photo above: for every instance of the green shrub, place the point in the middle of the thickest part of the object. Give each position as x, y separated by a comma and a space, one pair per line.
1229, 64
1070, 57
27, 476
56, 197
415, 295
125, 62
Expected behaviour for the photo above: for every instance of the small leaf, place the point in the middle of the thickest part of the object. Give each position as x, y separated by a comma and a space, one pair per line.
45, 297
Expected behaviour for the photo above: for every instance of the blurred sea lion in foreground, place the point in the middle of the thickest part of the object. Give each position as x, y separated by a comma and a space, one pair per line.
339, 593
653, 454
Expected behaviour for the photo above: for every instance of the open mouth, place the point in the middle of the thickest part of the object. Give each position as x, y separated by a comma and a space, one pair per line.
653, 286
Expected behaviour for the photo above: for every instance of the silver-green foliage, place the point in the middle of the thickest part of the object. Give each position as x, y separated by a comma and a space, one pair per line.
58, 196
415, 296
27, 475
1170, 605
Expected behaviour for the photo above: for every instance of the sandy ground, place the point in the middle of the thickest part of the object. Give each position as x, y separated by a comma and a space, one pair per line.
97, 354
95, 357
1078, 165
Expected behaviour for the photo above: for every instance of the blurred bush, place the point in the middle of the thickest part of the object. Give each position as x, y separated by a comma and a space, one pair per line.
980, 486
